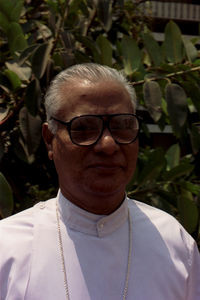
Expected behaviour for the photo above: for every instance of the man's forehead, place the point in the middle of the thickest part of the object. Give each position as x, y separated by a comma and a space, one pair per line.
83, 89
81, 95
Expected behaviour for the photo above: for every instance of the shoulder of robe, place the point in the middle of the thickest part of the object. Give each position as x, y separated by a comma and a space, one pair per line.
19, 228
160, 228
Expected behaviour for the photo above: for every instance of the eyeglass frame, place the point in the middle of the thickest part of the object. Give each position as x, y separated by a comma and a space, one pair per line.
105, 125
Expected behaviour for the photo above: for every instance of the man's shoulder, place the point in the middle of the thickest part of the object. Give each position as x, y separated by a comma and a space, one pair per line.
26, 218
143, 210
159, 226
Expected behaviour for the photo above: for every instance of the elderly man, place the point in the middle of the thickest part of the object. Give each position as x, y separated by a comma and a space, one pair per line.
91, 242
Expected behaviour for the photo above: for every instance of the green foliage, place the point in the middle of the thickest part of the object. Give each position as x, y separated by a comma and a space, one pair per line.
6, 197
153, 99
177, 106
153, 49
173, 44
131, 55
165, 180
40, 38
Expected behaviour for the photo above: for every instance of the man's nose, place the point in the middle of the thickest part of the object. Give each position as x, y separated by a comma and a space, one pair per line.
106, 143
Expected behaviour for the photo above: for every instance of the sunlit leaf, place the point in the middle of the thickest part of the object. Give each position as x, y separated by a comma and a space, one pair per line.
173, 156
191, 187
191, 50
44, 32
183, 169
23, 73
131, 55
3, 113
153, 49
153, 99
173, 44
6, 197
13, 78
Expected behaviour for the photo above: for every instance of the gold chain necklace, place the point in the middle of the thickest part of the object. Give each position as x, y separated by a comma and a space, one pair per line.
63, 259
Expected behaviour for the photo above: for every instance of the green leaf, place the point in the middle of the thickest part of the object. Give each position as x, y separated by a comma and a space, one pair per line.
191, 187
173, 156
153, 99
31, 129
13, 78
131, 55
152, 168
6, 197
11, 9
153, 49
40, 59
190, 49
16, 10
27, 53
16, 39
188, 211
193, 90
104, 13
89, 43
173, 43
24, 73
33, 97
195, 137
105, 50
183, 169
176, 106
4, 22
20, 149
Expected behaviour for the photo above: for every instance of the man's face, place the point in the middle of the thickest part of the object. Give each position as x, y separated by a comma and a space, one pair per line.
101, 171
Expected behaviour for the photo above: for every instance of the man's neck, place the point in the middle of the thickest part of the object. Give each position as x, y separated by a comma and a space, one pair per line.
96, 204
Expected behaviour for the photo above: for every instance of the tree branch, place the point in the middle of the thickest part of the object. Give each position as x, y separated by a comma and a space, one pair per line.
167, 76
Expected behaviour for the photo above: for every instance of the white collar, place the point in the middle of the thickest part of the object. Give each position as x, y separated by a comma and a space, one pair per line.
83, 221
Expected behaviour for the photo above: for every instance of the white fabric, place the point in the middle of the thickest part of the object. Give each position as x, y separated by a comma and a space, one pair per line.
165, 261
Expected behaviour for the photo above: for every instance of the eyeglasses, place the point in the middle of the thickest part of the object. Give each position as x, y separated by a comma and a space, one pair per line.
86, 130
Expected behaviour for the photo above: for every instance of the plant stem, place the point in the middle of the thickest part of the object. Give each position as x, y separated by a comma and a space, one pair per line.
167, 76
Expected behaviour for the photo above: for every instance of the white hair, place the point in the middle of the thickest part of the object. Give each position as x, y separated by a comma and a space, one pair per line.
88, 71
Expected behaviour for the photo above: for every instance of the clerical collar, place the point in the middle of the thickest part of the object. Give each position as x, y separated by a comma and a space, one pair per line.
97, 225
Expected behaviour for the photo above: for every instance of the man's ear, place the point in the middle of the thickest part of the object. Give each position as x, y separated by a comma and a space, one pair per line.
48, 138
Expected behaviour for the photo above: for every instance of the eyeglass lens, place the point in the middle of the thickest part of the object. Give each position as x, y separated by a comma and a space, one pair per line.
86, 130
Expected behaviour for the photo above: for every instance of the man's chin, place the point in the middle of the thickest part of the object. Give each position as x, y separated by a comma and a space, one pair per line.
104, 190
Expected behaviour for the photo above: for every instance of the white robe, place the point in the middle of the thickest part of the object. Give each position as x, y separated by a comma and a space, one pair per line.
165, 263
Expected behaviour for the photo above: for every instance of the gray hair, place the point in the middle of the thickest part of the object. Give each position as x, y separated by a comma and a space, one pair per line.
88, 71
